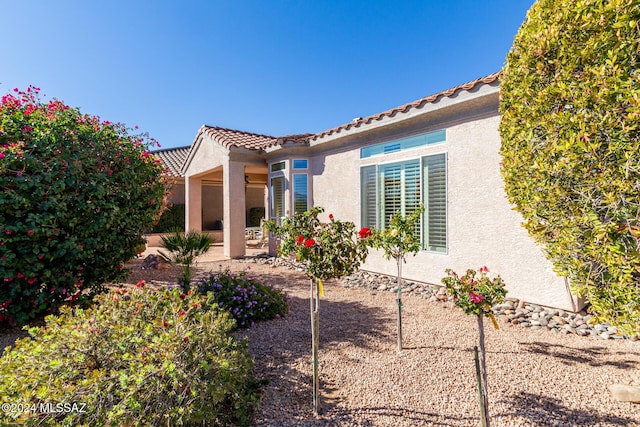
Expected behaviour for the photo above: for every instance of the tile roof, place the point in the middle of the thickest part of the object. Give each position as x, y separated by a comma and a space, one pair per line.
237, 138
173, 159
406, 107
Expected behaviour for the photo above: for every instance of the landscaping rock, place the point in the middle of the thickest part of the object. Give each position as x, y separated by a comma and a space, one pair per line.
154, 262
625, 393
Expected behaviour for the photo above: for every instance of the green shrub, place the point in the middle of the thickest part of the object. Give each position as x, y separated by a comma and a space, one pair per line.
77, 193
255, 216
172, 219
183, 249
138, 358
245, 297
570, 121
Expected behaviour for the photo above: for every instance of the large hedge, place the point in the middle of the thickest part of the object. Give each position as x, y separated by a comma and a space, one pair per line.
570, 95
77, 192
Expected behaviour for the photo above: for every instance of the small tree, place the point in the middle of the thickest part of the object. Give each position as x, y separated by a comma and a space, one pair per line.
399, 239
476, 295
183, 249
328, 251
76, 194
570, 120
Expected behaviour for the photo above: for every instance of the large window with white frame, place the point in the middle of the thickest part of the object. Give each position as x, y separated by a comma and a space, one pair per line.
401, 187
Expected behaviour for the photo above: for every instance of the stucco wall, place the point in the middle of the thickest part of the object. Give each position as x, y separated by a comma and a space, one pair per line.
482, 228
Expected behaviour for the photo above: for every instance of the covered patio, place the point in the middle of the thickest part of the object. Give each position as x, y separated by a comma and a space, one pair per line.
230, 160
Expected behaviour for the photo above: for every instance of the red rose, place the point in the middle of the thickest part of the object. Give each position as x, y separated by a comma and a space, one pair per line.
365, 232
300, 239
331, 217
309, 242
140, 284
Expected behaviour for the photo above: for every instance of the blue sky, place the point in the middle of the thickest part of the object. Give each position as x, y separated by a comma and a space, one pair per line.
275, 67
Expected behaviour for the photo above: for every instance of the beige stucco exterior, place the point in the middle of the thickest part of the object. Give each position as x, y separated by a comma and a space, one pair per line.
482, 227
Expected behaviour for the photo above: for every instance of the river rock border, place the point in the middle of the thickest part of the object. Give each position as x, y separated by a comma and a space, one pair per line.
512, 311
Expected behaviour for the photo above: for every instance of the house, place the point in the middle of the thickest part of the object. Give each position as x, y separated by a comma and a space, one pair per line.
441, 150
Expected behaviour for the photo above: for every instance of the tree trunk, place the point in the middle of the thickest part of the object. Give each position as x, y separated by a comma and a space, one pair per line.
483, 373
399, 262
315, 329
483, 419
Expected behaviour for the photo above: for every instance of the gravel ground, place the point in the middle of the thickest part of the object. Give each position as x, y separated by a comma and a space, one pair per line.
536, 378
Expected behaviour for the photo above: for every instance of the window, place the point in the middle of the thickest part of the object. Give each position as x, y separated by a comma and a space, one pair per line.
277, 166
300, 164
435, 200
404, 144
300, 192
277, 197
401, 187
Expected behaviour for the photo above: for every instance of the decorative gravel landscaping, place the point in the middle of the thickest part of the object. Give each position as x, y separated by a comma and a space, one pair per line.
536, 377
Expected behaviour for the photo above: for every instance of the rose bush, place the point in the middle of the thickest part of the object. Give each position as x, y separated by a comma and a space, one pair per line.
328, 250
77, 193
475, 294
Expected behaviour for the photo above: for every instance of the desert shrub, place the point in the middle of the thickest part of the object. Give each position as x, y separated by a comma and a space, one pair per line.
183, 249
246, 298
570, 115
77, 193
137, 358
172, 219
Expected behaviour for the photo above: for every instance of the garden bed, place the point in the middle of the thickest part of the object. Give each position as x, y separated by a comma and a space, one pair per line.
536, 377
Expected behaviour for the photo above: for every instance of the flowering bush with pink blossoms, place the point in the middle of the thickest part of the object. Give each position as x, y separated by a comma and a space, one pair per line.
475, 294
76, 194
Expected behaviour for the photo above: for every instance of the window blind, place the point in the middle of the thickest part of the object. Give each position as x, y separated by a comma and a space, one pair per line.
300, 193
277, 197
436, 202
368, 199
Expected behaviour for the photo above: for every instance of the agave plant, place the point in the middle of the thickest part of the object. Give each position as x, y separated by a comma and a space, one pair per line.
183, 249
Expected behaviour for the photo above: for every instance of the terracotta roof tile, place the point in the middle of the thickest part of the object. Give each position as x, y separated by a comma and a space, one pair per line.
173, 159
253, 141
406, 107
237, 138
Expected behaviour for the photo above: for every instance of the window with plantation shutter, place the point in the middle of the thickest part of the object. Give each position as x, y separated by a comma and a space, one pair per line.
400, 188
368, 197
300, 192
277, 197
435, 196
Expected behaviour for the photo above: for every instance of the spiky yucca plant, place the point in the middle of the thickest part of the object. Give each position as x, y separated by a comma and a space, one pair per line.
183, 249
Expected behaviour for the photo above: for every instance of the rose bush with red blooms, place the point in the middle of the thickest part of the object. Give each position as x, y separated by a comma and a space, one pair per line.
328, 250
365, 232
77, 193
475, 294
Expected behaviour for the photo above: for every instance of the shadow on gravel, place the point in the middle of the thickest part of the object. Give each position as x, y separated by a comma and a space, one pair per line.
417, 417
282, 354
593, 356
544, 410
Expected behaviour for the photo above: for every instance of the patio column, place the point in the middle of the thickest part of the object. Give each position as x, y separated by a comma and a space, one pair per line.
193, 204
234, 209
